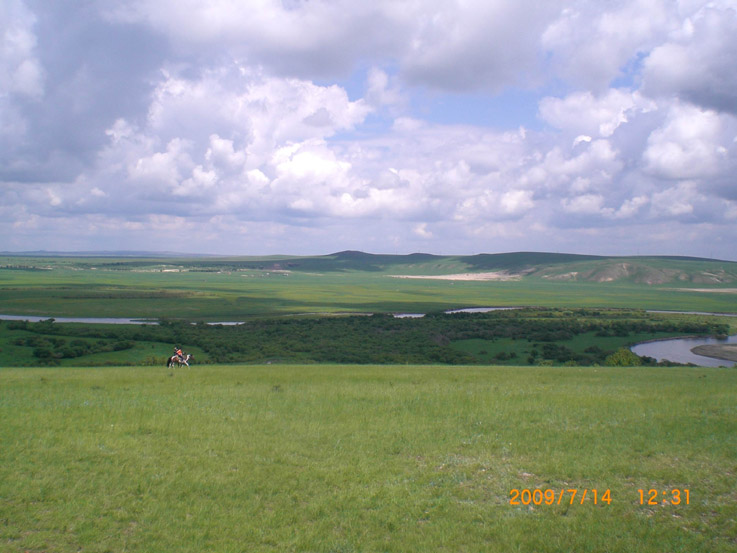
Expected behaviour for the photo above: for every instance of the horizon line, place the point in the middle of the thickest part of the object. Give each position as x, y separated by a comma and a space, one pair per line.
171, 254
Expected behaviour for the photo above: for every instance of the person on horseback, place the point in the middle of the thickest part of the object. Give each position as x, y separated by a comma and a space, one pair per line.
179, 358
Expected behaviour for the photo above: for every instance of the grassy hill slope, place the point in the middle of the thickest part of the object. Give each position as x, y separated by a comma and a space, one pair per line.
551, 266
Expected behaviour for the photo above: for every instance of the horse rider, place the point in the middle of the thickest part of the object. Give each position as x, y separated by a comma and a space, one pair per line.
178, 352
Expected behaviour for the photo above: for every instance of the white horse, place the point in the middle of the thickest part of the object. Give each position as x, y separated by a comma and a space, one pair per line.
178, 360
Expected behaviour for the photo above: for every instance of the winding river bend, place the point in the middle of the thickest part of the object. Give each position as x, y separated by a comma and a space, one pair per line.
678, 350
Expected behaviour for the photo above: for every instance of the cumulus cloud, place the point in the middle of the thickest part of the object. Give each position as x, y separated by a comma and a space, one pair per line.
692, 143
587, 115
219, 147
477, 44
381, 91
302, 39
308, 126
20, 70
696, 63
592, 46
21, 80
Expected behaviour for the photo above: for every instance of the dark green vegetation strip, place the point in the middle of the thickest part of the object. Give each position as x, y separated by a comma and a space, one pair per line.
519, 337
341, 458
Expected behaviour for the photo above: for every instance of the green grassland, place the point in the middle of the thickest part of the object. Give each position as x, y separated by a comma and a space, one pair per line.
366, 458
380, 450
266, 292
239, 288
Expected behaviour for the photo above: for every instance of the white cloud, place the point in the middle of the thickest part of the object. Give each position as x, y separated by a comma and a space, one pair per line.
163, 168
585, 204
697, 61
222, 153
581, 138
53, 197
597, 163
227, 138
311, 179
20, 70
228, 117
591, 43
381, 91
21, 83
691, 144
298, 39
517, 201
201, 183
584, 114
250, 110
631, 207
676, 201
421, 231
476, 44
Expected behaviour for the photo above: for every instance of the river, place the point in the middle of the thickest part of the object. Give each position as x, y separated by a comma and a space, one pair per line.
678, 350
88, 320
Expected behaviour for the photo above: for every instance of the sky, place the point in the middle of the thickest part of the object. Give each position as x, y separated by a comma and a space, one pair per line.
253, 127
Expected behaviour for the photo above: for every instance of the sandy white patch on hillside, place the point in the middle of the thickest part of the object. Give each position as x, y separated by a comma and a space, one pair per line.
464, 276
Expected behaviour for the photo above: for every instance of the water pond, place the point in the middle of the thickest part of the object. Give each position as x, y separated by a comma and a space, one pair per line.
451, 311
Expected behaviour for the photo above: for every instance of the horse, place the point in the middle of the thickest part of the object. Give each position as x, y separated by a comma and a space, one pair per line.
178, 360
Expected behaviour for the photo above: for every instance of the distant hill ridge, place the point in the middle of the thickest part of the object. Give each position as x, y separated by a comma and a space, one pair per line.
550, 266
555, 266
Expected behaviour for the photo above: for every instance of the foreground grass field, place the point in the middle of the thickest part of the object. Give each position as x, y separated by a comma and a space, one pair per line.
366, 458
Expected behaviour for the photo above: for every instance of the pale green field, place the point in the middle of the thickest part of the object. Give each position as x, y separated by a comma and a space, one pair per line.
65, 292
347, 458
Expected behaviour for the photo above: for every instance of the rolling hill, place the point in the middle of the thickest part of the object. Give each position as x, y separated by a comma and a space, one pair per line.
550, 266
648, 270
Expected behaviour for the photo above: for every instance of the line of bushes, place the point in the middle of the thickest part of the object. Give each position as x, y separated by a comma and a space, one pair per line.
48, 350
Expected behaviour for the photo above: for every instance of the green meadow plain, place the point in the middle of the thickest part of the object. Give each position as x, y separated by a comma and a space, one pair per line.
368, 458
360, 458
236, 289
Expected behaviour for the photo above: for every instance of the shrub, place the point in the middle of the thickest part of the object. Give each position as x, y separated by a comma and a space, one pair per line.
622, 358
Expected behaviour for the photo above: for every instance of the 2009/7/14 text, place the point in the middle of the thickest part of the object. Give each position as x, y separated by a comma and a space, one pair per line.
571, 496
567, 496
